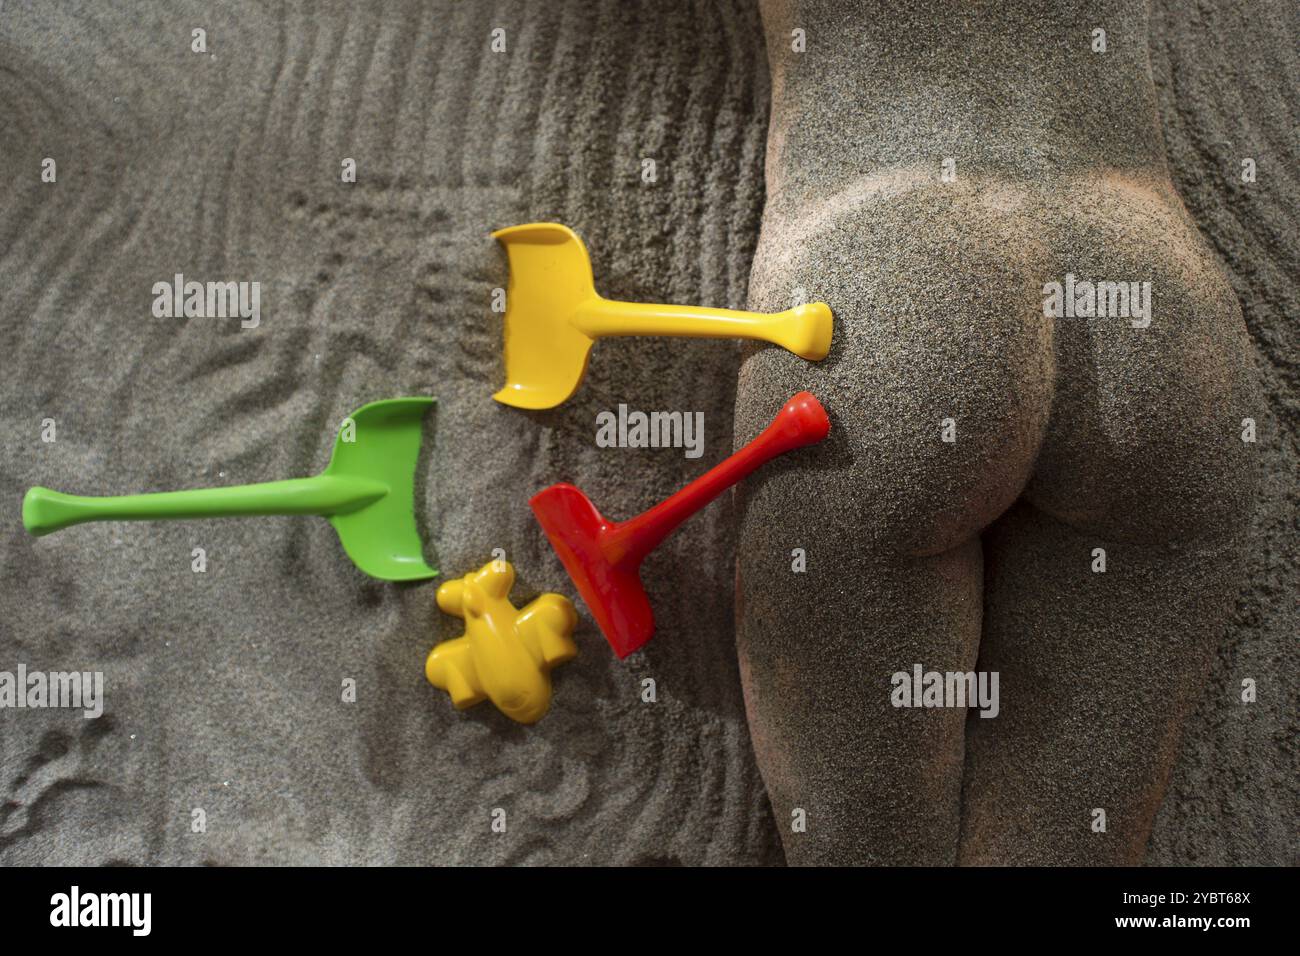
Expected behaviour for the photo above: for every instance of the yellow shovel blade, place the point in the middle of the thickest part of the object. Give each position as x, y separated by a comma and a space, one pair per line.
550, 278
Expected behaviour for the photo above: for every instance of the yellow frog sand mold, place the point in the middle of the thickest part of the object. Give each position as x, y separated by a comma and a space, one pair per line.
505, 654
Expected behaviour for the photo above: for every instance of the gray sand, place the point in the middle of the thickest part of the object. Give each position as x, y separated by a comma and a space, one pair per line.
1221, 76
223, 688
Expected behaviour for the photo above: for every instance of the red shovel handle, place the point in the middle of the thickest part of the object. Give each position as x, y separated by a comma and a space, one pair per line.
801, 421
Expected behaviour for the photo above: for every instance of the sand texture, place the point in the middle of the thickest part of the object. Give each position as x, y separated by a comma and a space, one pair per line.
223, 688
1226, 78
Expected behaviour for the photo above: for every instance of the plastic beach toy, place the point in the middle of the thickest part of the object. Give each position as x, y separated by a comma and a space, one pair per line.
366, 491
505, 655
604, 557
553, 315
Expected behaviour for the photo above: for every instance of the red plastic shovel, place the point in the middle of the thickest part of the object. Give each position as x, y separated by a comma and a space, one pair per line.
604, 557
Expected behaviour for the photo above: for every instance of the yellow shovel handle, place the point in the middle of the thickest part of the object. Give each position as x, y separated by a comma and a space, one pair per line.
804, 330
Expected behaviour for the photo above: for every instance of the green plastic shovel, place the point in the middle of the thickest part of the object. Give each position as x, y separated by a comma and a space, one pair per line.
367, 491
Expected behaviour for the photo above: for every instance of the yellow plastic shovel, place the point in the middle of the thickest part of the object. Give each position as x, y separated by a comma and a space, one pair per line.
553, 315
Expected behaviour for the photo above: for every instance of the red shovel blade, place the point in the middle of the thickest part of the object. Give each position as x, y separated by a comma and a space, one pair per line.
611, 588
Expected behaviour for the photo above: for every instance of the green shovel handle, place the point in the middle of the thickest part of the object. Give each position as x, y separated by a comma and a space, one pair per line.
45, 511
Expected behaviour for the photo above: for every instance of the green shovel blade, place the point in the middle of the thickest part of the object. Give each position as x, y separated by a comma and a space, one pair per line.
367, 491
382, 538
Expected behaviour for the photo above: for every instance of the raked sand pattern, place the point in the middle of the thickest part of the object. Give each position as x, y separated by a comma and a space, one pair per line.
223, 689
